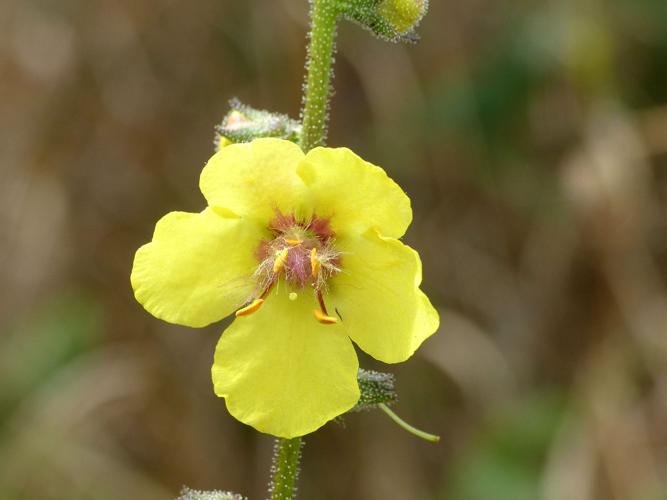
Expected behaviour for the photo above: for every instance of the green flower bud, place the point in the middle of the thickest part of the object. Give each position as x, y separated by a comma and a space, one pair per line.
392, 20
244, 124
403, 15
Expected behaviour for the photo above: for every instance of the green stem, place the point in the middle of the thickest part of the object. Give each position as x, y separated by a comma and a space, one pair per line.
317, 92
412, 430
285, 468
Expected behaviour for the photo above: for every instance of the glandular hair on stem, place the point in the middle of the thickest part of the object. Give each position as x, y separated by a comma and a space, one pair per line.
285, 468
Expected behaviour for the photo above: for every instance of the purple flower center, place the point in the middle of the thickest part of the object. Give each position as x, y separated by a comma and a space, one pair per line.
303, 252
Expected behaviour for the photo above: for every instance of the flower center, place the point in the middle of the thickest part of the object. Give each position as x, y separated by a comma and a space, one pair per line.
303, 253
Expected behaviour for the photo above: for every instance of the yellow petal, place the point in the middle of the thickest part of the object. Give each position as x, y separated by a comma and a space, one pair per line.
356, 194
197, 269
378, 297
284, 373
255, 179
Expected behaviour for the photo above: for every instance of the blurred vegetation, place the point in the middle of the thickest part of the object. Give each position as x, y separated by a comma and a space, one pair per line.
532, 138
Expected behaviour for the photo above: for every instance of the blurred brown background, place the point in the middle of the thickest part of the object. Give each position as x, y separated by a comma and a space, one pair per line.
532, 138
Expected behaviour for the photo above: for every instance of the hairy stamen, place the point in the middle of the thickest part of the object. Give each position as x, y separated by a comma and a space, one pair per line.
256, 303
281, 258
314, 263
321, 314
268, 288
303, 253
320, 301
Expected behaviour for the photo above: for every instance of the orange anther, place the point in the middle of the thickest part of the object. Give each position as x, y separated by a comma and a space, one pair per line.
281, 258
314, 263
325, 319
250, 308
294, 243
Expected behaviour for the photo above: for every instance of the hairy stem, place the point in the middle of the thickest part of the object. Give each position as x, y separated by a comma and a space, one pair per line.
314, 115
317, 90
285, 468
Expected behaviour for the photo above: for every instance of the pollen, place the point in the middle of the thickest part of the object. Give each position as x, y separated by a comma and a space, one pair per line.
293, 242
250, 308
293, 296
314, 263
279, 262
323, 318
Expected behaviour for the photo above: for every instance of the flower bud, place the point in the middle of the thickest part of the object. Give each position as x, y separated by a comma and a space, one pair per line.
244, 124
392, 20
403, 15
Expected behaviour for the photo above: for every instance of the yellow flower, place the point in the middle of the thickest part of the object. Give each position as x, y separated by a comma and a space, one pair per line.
305, 249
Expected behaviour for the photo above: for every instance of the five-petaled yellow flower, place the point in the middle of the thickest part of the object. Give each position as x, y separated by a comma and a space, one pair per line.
304, 248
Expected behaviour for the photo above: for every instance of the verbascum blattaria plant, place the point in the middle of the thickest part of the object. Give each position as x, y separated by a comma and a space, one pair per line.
301, 243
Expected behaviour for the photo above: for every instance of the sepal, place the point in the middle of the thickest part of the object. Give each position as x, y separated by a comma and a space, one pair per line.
375, 388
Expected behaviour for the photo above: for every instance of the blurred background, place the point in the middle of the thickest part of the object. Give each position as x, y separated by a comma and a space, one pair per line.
532, 138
